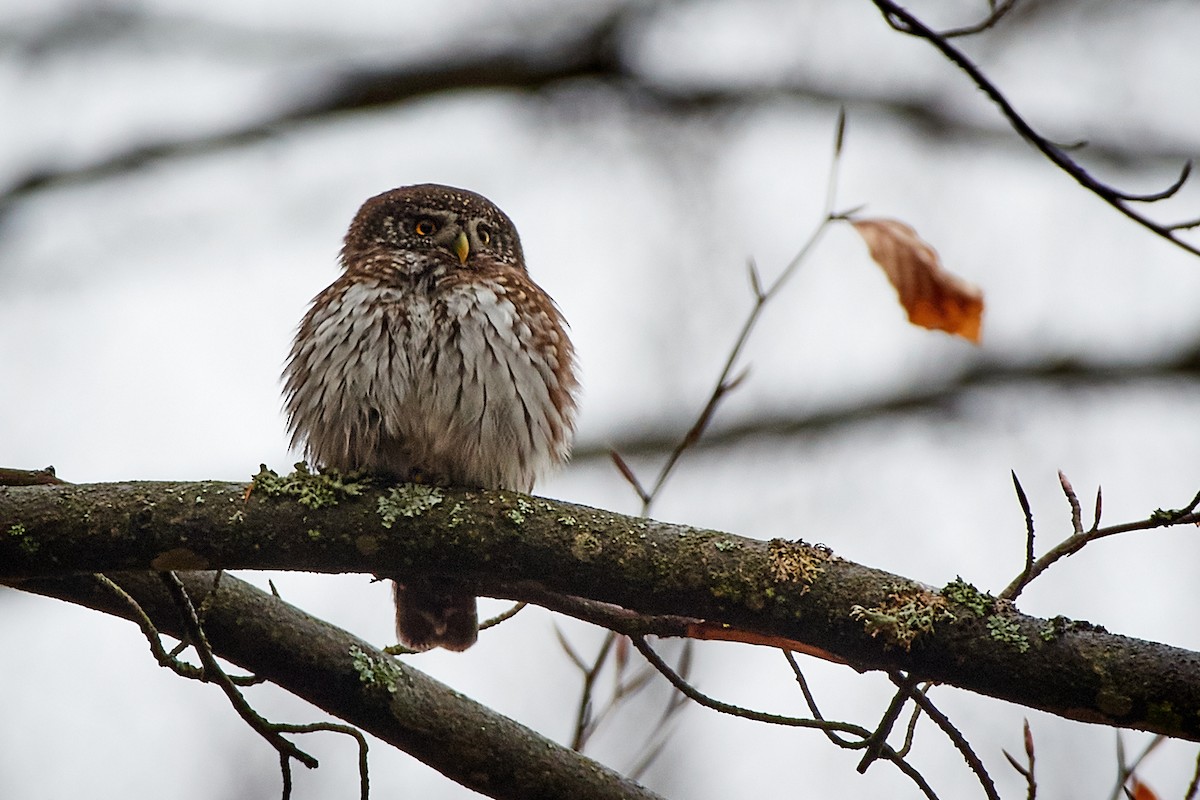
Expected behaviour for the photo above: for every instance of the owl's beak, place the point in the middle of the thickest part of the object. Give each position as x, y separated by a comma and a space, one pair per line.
462, 247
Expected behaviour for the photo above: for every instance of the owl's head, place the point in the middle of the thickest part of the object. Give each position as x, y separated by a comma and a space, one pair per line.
430, 225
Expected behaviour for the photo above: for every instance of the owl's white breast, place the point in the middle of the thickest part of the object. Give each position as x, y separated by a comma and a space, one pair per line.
452, 384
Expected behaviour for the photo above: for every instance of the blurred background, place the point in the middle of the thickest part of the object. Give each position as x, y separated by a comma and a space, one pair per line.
175, 180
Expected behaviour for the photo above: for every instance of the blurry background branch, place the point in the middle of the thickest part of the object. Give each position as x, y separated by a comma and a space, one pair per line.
597, 50
941, 396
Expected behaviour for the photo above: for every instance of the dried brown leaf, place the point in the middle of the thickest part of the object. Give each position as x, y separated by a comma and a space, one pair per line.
1140, 791
932, 297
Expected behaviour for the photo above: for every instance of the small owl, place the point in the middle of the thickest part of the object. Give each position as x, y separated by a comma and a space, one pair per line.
435, 358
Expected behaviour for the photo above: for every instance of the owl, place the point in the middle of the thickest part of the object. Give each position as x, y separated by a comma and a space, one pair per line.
434, 358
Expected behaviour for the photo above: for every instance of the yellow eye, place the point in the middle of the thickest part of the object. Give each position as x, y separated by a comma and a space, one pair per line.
425, 227
484, 233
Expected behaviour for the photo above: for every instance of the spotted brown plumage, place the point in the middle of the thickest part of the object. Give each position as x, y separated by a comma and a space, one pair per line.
433, 357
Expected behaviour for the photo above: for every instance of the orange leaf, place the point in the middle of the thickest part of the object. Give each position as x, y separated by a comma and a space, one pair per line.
933, 297
1140, 791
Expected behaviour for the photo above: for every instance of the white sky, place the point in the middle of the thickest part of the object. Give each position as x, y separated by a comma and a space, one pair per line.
144, 319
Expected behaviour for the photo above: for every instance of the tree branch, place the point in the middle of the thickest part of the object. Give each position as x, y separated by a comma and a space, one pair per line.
902, 20
345, 676
491, 542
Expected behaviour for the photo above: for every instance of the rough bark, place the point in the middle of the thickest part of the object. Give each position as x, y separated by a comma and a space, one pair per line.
334, 670
497, 542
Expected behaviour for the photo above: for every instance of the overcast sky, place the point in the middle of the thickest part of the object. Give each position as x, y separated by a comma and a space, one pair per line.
145, 314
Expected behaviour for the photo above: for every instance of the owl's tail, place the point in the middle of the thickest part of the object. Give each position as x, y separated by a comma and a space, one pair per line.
433, 616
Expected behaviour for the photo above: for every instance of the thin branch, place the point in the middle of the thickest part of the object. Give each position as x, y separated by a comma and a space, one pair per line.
583, 714
676, 702
502, 616
364, 782
1024, 501
1125, 770
1026, 770
999, 10
745, 713
776, 719
910, 731
214, 673
1073, 544
878, 738
952, 733
1195, 783
139, 616
1073, 500
811, 701
1169, 192
902, 20
726, 380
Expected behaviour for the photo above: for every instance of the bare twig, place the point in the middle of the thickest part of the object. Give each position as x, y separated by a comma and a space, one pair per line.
164, 658
902, 20
911, 730
858, 731
1073, 499
502, 616
1161, 518
214, 673
364, 783
942, 721
1127, 770
1026, 770
878, 738
811, 701
1024, 501
1195, 783
676, 702
583, 714
999, 10
727, 381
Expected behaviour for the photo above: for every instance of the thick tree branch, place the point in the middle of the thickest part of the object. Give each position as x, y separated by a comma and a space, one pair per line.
335, 671
493, 541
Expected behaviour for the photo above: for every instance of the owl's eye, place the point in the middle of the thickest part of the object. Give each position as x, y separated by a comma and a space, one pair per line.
425, 227
484, 233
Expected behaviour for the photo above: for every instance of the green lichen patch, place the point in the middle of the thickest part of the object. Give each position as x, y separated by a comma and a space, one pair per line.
567, 521
795, 562
518, 515
1058, 626
907, 613
1003, 629
408, 500
375, 671
456, 516
311, 489
964, 594
27, 543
